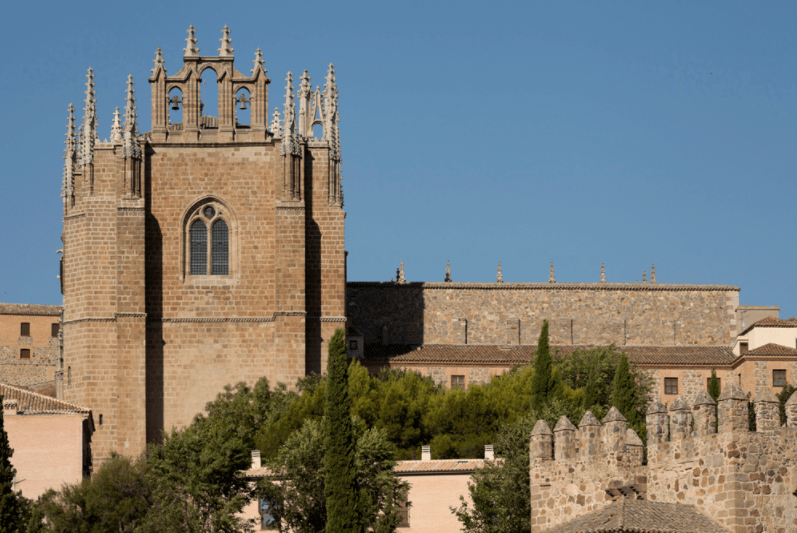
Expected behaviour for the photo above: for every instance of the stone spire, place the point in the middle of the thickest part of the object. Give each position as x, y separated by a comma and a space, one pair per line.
331, 131
68, 183
603, 274
88, 134
551, 279
500, 277
400, 274
258, 62
191, 49
226, 49
448, 272
644, 276
158, 62
289, 144
276, 127
653, 273
116, 128
130, 146
304, 94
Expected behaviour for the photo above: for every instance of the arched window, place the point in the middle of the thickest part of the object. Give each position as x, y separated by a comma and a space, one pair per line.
199, 248
220, 248
209, 246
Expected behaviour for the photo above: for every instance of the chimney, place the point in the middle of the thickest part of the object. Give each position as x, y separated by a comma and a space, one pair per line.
256, 459
10, 407
489, 454
426, 453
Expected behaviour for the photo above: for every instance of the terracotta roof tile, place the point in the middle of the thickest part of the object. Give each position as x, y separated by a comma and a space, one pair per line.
31, 403
463, 466
30, 309
772, 350
497, 354
641, 516
772, 322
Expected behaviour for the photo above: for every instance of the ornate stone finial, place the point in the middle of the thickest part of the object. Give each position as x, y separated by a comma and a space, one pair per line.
158, 61
331, 131
226, 49
306, 114
500, 277
191, 49
401, 278
116, 128
130, 147
276, 127
305, 87
258, 62
551, 279
603, 274
644, 276
88, 135
448, 272
68, 182
653, 273
289, 142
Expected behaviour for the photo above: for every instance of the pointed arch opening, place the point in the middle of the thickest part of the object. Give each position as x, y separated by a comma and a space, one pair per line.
174, 103
318, 132
209, 99
243, 108
209, 236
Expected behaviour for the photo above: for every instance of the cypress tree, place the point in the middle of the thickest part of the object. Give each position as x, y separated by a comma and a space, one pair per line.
543, 383
340, 488
624, 395
591, 390
714, 385
10, 508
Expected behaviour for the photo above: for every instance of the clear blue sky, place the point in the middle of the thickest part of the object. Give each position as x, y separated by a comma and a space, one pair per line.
575, 132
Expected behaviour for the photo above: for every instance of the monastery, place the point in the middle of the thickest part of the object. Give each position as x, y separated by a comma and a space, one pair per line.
209, 251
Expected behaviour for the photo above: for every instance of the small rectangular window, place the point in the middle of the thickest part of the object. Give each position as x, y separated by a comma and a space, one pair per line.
24, 329
404, 513
352, 345
55, 328
670, 385
457, 382
743, 348
778, 378
24, 353
267, 519
708, 382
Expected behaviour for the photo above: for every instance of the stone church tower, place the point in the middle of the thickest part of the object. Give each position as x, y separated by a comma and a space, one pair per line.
202, 253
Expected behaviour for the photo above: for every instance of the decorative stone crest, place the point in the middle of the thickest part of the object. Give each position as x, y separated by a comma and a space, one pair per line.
652, 273
400, 274
603, 274
448, 272
500, 277
551, 278
644, 276
226, 49
191, 49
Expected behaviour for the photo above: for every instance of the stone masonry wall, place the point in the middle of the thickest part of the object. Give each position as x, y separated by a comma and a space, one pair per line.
601, 314
44, 352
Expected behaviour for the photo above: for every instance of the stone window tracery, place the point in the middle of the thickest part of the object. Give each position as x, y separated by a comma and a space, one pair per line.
208, 239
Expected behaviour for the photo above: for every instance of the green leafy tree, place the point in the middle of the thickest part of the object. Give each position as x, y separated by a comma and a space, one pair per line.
341, 489
543, 384
297, 491
116, 499
12, 504
783, 397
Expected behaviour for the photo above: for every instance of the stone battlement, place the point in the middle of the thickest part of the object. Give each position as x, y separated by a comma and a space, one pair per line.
744, 480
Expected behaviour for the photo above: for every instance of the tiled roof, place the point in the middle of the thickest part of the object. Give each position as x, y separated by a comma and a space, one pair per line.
261, 472
641, 516
544, 286
30, 309
772, 349
772, 322
31, 403
437, 466
497, 354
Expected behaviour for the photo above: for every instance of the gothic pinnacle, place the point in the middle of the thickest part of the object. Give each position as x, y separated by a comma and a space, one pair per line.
603, 274
551, 279
116, 128
448, 272
644, 276
276, 127
130, 146
653, 273
191, 49
500, 277
158, 61
67, 186
89, 127
401, 278
258, 62
226, 49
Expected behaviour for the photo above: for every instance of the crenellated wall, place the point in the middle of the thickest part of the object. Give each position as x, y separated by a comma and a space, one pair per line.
743, 480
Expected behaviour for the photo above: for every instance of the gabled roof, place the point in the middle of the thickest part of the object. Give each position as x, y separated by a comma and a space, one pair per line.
30, 310
510, 355
772, 349
438, 466
32, 403
772, 322
641, 516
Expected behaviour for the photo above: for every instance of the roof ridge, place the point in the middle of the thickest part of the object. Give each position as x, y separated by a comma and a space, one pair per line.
44, 397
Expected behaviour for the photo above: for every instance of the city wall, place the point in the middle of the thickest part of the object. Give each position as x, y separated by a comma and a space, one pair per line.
743, 480
512, 313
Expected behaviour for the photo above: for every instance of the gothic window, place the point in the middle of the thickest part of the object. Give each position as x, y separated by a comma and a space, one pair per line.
208, 240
